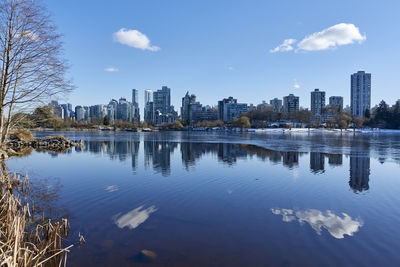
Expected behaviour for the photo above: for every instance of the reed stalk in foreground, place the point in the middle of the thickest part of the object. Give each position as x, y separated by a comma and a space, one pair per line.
27, 239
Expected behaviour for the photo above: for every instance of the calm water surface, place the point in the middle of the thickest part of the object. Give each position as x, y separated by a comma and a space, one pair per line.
216, 199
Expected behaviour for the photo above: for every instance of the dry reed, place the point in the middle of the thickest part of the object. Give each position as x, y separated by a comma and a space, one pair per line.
25, 238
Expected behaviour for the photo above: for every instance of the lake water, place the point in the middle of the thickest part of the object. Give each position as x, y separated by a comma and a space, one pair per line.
225, 199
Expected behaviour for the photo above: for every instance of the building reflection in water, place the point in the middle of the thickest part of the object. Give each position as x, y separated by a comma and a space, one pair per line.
229, 153
317, 162
157, 156
290, 159
191, 152
359, 173
335, 159
135, 154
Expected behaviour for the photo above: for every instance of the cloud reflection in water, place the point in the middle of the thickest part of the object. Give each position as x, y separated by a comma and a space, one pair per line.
133, 218
112, 188
337, 226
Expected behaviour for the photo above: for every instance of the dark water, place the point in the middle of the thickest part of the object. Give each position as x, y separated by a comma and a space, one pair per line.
209, 199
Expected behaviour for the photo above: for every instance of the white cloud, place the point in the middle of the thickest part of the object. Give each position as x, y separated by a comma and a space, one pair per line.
133, 218
111, 69
230, 68
337, 226
296, 85
31, 35
337, 35
134, 38
284, 47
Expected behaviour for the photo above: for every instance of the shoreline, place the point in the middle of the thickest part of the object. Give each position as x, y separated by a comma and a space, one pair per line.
225, 129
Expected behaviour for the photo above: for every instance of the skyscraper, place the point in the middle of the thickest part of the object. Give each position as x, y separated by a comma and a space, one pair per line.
187, 101
135, 106
66, 111
163, 112
135, 99
162, 100
96, 111
291, 103
124, 110
79, 113
148, 112
317, 103
147, 96
360, 93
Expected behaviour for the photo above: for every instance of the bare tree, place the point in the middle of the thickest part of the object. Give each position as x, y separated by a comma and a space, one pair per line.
32, 67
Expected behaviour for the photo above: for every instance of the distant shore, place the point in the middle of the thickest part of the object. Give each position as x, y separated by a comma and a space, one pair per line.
227, 129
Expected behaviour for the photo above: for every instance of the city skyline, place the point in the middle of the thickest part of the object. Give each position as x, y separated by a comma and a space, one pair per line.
333, 99
221, 56
158, 108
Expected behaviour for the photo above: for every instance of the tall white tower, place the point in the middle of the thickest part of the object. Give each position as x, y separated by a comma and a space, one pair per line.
360, 93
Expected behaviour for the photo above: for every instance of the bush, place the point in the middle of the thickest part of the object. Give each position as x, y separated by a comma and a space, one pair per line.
22, 135
217, 123
286, 126
242, 122
177, 125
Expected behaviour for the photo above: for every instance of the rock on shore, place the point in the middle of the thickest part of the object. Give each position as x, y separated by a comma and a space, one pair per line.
18, 146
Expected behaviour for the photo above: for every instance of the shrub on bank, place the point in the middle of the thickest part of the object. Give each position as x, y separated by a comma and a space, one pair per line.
21, 135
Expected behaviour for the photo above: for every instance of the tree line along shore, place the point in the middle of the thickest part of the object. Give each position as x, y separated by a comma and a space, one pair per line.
382, 116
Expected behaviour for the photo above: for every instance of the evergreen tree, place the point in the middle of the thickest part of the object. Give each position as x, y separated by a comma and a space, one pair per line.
106, 120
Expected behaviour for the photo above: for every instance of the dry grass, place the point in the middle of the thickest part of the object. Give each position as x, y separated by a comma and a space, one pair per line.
26, 240
22, 135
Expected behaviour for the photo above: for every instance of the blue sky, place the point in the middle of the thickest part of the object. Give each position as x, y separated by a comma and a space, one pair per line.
217, 49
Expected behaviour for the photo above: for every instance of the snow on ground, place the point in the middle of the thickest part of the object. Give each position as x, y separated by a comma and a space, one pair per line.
314, 130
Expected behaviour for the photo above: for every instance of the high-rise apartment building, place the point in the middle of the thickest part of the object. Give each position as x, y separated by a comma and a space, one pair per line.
162, 100
147, 96
276, 104
360, 93
336, 102
135, 106
80, 113
148, 112
66, 111
113, 103
148, 106
187, 101
135, 97
317, 103
229, 108
163, 112
97, 111
193, 112
124, 110
199, 113
291, 103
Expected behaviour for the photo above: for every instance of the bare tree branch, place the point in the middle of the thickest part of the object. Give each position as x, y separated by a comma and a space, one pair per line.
32, 66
